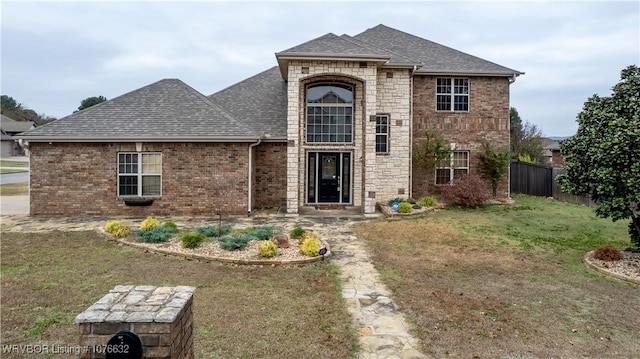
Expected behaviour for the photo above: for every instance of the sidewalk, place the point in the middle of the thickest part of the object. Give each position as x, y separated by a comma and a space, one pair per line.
382, 328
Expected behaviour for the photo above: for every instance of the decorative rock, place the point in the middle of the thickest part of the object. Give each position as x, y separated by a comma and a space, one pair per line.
282, 240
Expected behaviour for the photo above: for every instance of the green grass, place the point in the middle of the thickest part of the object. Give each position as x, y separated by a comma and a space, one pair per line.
14, 189
9, 163
11, 170
239, 311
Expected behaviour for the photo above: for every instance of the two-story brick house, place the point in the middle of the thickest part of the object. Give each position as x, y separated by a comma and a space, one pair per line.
333, 124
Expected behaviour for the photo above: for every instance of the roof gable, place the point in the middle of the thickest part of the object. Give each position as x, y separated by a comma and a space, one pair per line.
435, 58
165, 110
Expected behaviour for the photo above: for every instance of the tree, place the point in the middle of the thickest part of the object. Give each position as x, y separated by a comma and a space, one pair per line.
494, 164
90, 101
526, 139
603, 158
431, 150
15, 111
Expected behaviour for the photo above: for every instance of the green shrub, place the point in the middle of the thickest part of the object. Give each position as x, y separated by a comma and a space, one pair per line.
213, 231
235, 241
297, 232
268, 249
467, 191
310, 246
397, 200
262, 233
170, 224
404, 207
192, 239
149, 223
117, 229
155, 235
301, 239
428, 201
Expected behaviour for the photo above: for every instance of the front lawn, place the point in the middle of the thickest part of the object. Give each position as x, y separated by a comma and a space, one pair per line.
239, 311
508, 281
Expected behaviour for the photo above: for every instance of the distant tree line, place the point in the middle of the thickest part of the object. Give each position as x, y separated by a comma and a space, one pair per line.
15, 111
526, 139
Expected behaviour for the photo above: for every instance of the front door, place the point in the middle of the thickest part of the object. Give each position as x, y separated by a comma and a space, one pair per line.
329, 177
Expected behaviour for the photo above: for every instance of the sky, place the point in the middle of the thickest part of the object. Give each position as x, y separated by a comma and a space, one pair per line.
54, 54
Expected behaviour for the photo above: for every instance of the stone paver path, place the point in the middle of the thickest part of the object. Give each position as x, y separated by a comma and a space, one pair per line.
382, 328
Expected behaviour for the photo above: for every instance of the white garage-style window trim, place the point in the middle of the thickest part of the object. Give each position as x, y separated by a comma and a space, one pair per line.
452, 94
457, 166
139, 174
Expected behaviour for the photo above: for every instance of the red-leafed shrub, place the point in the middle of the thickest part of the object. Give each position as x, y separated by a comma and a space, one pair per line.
467, 191
607, 254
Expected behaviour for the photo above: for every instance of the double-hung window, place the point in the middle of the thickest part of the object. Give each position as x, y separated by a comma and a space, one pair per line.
382, 133
452, 94
329, 113
457, 166
139, 174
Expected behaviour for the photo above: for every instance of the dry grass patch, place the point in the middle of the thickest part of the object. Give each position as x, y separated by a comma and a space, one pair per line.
239, 312
508, 282
14, 189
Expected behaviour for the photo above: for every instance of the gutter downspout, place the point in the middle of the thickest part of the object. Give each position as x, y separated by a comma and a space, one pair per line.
249, 197
411, 130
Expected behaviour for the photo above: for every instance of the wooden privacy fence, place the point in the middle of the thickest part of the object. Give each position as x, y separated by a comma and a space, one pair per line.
537, 180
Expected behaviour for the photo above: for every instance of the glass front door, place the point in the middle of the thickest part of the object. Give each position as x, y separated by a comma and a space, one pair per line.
329, 177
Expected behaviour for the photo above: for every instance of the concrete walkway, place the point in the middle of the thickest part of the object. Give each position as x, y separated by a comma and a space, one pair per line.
382, 328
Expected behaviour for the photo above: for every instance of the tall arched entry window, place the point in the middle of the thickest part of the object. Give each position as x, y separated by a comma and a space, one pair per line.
329, 120
329, 113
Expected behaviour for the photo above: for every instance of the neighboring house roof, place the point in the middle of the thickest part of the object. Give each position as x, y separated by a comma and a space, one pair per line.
168, 110
259, 102
11, 126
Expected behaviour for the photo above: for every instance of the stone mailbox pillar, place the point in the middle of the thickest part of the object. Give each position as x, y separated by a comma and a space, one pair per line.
159, 316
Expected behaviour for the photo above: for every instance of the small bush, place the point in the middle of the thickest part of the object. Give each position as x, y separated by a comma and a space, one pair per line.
467, 191
170, 224
310, 246
213, 231
428, 201
149, 223
155, 235
607, 254
404, 207
262, 233
236, 241
297, 232
396, 200
301, 239
268, 249
192, 239
117, 229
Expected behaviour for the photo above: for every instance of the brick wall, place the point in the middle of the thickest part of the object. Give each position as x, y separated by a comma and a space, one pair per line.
487, 120
81, 178
270, 175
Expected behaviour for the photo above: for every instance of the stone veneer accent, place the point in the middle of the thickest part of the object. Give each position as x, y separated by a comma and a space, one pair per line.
486, 120
160, 316
374, 176
81, 178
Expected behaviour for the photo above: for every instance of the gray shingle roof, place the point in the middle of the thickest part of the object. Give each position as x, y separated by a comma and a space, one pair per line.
331, 45
435, 58
165, 110
259, 102
11, 126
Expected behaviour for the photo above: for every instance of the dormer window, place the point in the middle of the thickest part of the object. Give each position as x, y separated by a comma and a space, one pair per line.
329, 113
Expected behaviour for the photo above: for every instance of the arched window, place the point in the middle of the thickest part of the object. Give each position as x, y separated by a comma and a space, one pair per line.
329, 113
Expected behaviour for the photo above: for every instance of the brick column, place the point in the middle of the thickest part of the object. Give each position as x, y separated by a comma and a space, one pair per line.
160, 316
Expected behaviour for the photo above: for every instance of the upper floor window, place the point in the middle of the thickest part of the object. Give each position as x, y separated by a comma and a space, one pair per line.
382, 133
329, 113
452, 94
139, 174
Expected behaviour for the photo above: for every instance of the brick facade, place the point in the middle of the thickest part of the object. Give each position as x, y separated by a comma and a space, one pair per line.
81, 178
486, 120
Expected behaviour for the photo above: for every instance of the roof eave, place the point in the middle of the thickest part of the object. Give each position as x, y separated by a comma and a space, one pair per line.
284, 58
469, 73
76, 139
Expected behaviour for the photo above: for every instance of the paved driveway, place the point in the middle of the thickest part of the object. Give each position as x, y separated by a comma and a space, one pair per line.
14, 205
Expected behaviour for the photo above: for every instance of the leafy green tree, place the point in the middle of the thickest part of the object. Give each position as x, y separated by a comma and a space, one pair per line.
526, 138
494, 164
603, 158
431, 149
9, 104
90, 101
